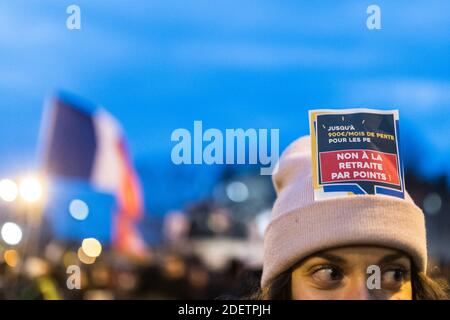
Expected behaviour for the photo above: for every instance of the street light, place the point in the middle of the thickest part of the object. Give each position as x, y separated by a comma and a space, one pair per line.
30, 189
11, 233
8, 190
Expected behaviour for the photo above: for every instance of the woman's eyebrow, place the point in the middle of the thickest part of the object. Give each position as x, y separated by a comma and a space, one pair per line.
391, 257
331, 257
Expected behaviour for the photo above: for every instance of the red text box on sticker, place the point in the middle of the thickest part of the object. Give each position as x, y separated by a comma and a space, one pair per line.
359, 165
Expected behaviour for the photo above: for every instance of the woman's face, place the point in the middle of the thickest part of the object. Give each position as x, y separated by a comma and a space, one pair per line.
348, 273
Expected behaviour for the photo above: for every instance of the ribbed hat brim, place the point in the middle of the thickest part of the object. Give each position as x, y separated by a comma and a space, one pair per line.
357, 220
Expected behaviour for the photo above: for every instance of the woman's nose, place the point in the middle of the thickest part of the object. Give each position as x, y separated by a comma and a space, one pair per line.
358, 290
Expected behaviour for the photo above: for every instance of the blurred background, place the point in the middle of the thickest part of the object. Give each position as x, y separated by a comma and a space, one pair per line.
156, 66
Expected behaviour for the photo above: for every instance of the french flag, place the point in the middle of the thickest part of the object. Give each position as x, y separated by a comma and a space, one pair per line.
83, 141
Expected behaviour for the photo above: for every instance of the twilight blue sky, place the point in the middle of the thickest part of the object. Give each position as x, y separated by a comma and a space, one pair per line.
160, 65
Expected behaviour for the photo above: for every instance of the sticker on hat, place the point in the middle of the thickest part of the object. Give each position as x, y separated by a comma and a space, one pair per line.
355, 152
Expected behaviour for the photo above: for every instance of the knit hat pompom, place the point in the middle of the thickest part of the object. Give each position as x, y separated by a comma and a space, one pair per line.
293, 163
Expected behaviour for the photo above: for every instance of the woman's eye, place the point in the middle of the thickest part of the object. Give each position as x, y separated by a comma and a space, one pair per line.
328, 275
393, 278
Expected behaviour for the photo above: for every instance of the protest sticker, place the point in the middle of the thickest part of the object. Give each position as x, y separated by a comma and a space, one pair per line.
355, 152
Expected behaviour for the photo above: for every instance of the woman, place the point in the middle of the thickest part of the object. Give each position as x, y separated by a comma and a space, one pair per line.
359, 247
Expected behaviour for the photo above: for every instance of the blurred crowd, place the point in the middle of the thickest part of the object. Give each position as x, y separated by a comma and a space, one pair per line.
209, 249
168, 274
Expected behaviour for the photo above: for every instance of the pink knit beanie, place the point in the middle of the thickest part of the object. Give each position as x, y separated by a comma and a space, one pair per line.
301, 226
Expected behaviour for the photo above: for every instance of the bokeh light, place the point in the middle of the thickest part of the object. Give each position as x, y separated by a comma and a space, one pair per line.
8, 190
432, 203
85, 258
35, 267
174, 267
78, 209
127, 280
11, 258
91, 247
30, 189
11, 233
237, 191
